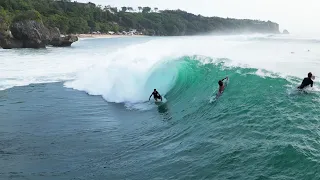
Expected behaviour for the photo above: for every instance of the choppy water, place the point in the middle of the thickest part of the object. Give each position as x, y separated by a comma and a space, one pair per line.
83, 112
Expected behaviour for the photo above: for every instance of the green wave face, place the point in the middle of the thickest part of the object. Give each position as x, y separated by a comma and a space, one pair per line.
191, 86
258, 118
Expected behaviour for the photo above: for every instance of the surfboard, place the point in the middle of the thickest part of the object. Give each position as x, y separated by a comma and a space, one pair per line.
158, 102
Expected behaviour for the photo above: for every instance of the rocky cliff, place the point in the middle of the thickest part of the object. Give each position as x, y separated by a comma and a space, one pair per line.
28, 31
31, 33
61, 41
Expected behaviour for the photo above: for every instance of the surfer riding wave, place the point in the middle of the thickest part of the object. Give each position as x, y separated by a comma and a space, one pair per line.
155, 95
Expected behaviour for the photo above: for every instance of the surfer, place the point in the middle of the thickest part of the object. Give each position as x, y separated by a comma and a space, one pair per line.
221, 85
307, 81
156, 95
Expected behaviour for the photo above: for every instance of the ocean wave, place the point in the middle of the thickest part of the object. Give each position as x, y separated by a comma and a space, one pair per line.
180, 80
123, 69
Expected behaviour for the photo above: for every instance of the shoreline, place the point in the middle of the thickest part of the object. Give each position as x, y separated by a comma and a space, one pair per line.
106, 36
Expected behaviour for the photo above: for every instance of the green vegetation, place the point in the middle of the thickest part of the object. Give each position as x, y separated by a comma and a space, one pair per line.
27, 15
4, 20
74, 17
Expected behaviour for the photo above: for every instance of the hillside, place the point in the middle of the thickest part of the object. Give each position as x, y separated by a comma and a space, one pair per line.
74, 17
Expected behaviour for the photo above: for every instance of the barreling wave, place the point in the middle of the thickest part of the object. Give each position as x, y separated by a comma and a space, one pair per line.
259, 116
187, 79
128, 72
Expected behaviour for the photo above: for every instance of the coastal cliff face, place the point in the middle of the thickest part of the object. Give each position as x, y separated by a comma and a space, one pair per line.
273, 27
31, 33
28, 31
83, 18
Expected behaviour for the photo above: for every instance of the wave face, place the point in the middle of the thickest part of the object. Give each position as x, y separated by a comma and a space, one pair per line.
175, 65
131, 61
260, 128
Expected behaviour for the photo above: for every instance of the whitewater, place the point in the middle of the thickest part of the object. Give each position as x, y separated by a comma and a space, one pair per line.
88, 106
125, 74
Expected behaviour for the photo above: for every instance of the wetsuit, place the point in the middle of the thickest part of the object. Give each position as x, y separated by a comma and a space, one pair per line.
306, 82
156, 95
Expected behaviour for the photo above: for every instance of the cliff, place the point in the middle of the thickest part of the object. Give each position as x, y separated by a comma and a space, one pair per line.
28, 31
73, 18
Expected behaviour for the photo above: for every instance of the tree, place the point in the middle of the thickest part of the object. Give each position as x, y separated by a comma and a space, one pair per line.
146, 9
58, 21
156, 9
4, 20
115, 27
114, 9
92, 25
28, 15
140, 8
78, 25
107, 8
104, 27
123, 9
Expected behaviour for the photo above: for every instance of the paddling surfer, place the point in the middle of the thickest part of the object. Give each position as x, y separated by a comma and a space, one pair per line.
307, 81
221, 85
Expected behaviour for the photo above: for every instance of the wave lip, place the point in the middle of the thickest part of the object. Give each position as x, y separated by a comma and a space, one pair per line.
120, 84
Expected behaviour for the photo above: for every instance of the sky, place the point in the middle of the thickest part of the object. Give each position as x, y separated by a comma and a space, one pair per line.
299, 17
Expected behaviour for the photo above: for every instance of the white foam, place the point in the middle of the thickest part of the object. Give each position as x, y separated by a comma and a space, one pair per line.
124, 74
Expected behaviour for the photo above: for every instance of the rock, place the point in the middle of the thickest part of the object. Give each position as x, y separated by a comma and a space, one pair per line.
28, 31
32, 33
54, 34
10, 43
64, 41
7, 42
61, 41
68, 40
285, 32
4, 35
6, 39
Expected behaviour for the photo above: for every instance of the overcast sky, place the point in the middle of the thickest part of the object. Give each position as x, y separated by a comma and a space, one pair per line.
295, 15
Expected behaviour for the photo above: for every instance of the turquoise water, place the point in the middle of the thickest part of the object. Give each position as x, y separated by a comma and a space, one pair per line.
92, 118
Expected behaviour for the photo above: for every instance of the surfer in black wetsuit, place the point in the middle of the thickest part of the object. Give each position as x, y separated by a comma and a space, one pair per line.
156, 95
307, 81
221, 85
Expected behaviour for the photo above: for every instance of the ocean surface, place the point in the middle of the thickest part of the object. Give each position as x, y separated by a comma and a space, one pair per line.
83, 113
